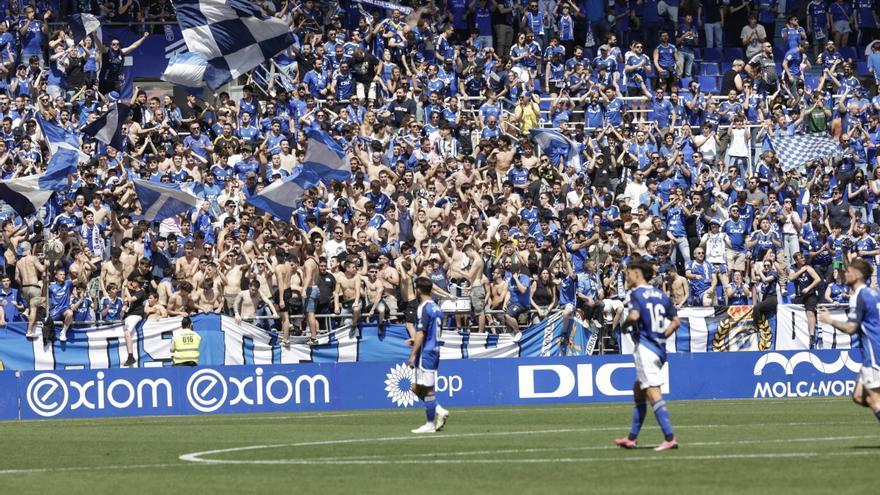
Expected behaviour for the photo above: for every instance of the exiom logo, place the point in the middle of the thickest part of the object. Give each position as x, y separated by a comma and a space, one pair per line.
48, 394
800, 384
208, 390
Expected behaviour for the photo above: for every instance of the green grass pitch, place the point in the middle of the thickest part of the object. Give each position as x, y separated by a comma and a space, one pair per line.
749, 446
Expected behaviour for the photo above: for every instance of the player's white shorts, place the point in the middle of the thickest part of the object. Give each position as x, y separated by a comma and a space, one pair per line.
870, 377
648, 367
426, 378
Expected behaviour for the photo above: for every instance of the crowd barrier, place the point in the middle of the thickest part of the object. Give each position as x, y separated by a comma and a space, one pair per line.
225, 342
379, 385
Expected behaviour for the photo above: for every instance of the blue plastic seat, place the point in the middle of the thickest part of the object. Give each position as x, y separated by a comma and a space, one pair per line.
709, 69
731, 54
712, 54
849, 53
708, 84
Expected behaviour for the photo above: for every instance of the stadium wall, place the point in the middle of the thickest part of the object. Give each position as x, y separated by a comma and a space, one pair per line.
380, 385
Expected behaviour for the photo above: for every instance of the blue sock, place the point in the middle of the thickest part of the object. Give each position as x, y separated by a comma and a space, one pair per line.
877, 414
640, 410
430, 408
662, 416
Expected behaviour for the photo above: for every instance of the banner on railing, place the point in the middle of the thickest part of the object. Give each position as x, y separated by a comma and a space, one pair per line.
717, 329
733, 328
378, 385
225, 342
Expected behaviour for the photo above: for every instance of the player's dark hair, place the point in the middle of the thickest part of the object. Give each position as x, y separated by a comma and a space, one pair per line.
424, 285
186, 322
643, 266
864, 267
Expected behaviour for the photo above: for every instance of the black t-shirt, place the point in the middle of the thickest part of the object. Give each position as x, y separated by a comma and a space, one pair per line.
400, 109
137, 307
326, 286
364, 70
111, 65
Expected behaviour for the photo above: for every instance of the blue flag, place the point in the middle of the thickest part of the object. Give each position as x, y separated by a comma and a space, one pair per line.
82, 25
26, 195
560, 149
159, 201
281, 197
324, 161
234, 36
108, 127
57, 137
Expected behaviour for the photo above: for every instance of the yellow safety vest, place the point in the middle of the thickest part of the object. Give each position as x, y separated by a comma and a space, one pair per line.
185, 347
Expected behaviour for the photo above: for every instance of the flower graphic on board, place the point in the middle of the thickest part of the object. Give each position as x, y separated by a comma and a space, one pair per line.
398, 382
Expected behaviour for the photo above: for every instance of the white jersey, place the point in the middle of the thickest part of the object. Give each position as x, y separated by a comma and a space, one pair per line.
715, 248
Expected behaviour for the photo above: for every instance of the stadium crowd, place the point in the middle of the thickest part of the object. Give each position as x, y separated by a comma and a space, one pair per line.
672, 106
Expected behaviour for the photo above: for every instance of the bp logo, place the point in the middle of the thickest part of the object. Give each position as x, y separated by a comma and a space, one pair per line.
398, 383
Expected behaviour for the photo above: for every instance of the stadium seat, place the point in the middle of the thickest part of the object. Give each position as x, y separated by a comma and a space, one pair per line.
862, 69
849, 53
709, 84
731, 54
712, 54
811, 81
590, 53
726, 66
685, 82
709, 69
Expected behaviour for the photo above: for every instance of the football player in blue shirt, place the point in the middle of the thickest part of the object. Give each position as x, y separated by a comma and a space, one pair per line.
864, 319
425, 356
652, 318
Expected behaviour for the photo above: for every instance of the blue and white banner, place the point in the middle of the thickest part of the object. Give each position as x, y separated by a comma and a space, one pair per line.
721, 329
380, 385
225, 342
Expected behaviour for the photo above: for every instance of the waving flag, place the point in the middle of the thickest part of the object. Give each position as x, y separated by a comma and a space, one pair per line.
108, 127
281, 197
794, 151
82, 25
233, 35
57, 138
325, 158
560, 149
159, 201
324, 161
26, 195
186, 69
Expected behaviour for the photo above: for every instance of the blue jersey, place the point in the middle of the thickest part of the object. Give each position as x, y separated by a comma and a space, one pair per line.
114, 306
739, 297
655, 310
59, 297
864, 308
429, 321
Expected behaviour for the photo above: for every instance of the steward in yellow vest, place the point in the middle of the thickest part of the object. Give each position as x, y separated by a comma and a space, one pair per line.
185, 345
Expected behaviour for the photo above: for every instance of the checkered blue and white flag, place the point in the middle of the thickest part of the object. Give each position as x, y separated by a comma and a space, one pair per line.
794, 151
233, 35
